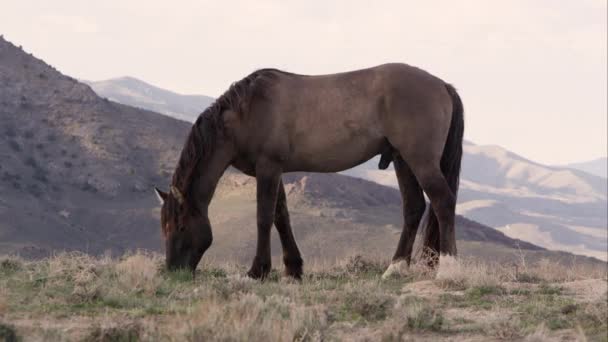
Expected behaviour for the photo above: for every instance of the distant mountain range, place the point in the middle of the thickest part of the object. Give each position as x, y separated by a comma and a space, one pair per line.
598, 167
136, 93
557, 207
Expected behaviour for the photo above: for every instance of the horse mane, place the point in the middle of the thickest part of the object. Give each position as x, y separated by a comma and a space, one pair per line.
203, 135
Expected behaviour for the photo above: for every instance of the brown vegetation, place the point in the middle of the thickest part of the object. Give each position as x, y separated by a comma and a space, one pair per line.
78, 297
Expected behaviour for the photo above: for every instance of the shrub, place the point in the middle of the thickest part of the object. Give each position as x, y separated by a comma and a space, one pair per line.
462, 274
14, 145
138, 272
115, 333
10, 265
7, 333
367, 305
423, 317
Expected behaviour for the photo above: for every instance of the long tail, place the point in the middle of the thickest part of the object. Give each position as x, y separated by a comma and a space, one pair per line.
452, 152
450, 167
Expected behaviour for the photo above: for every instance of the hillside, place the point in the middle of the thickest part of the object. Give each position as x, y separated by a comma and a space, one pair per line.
77, 172
556, 208
76, 169
598, 167
333, 216
136, 93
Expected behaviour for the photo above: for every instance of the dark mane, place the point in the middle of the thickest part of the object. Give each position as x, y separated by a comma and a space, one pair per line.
204, 132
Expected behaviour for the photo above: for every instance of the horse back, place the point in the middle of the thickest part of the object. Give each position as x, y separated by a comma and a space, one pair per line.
328, 123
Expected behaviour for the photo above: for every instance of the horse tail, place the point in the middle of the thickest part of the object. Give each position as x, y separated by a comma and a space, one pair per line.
450, 167
452, 152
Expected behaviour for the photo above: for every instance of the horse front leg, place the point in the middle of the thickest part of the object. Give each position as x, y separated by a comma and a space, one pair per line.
291, 254
268, 177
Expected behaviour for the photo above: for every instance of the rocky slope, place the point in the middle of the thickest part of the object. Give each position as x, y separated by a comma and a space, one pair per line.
76, 170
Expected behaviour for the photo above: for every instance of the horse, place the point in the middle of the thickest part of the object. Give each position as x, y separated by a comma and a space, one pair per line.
272, 122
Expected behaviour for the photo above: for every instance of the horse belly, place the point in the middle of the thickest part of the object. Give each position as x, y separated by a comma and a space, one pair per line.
334, 146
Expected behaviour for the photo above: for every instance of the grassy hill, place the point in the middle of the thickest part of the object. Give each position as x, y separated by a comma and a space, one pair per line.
77, 297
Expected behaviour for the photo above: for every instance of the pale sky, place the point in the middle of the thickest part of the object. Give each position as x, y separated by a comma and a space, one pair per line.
532, 73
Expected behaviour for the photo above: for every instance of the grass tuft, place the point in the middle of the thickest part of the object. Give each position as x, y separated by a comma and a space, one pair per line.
115, 333
423, 317
8, 333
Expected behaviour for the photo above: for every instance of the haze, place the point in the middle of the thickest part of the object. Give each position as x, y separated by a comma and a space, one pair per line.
532, 73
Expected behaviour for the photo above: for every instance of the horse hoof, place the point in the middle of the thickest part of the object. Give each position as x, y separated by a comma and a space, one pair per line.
258, 272
448, 266
293, 267
396, 269
294, 273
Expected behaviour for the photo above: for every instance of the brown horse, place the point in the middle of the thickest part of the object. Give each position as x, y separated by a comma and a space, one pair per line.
273, 122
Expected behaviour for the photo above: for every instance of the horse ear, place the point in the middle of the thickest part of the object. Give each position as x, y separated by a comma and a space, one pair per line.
162, 196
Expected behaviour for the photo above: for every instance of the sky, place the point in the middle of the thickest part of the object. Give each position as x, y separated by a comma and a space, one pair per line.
532, 73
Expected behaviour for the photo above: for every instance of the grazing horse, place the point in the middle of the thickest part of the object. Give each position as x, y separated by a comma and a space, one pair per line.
273, 122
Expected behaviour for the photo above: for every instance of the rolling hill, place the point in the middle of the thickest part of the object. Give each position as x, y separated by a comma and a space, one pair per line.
598, 167
556, 208
77, 172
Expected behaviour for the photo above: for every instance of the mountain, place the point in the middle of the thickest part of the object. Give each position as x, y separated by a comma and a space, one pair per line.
598, 167
77, 172
136, 93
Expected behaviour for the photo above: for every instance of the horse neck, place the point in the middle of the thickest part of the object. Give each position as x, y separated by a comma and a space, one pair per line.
206, 178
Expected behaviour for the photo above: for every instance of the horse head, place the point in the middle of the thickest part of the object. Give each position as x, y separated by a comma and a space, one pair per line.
186, 230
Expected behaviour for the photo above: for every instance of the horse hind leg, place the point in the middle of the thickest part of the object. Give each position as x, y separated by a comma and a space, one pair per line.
443, 202
413, 209
430, 238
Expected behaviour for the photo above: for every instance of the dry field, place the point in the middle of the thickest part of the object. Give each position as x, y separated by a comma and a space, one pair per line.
78, 297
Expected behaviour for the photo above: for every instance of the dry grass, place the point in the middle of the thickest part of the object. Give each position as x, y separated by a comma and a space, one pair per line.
139, 272
462, 274
77, 297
